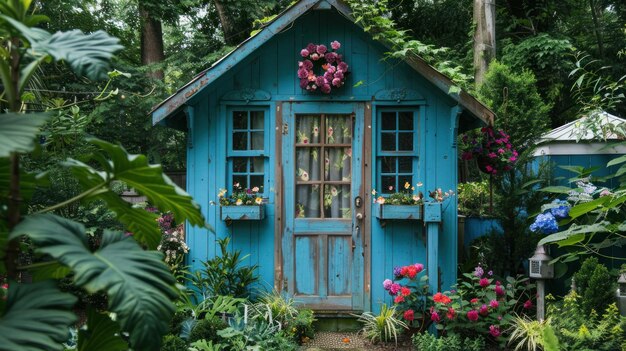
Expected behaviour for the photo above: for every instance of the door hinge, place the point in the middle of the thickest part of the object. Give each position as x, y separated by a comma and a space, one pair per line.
285, 128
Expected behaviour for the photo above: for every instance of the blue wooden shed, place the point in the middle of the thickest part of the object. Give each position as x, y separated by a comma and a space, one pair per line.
573, 145
316, 156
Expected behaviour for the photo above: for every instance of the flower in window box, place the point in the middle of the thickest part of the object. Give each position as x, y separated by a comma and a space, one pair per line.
239, 202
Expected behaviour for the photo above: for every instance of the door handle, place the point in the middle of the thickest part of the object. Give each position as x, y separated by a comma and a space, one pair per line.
359, 216
357, 230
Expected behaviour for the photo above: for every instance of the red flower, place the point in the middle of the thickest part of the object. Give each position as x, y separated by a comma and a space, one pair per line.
528, 304
399, 299
483, 310
474, 300
494, 304
484, 282
434, 316
405, 291
472, 315
404, 270
441, 298
409, 315
451, 313
411, 271
499, 290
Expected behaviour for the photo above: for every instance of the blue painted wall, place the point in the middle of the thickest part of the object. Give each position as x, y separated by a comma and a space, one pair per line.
273, 68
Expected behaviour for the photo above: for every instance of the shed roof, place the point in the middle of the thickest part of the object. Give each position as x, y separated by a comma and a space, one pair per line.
570, 132
176, 101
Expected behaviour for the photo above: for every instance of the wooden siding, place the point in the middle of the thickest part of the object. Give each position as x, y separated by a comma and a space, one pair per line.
272, 68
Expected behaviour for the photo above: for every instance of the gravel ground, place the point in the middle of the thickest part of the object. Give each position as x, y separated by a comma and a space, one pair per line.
350, 341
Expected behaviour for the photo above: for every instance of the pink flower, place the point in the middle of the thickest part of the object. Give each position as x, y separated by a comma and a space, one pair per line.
494, 304
483, 310
330, 131
342, 66
409, 315
304, 52
315, 56
434, 316
321, 49
492, 155
419, 267
528, 304
311, 47
499, 290
472, 315
337, 82
387, 284
399, 299
494, 331
307, 64
325, 88
484, 282
303, 73
390, 188
394, 288
335, 45
303, 83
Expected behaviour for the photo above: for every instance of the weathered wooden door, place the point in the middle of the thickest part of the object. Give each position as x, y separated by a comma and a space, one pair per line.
323, 241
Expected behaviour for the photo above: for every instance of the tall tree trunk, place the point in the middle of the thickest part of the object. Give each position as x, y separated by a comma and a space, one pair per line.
230, 37
596, 28
151, 41
484, 37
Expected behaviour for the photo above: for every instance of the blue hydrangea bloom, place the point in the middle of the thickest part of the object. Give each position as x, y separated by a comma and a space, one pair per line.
562, 211
545, 223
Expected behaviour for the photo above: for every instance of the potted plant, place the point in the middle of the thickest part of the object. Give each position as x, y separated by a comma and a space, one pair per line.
406, 204
475, 204
242, 204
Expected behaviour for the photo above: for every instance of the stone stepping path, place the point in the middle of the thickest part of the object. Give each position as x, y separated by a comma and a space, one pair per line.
345, 341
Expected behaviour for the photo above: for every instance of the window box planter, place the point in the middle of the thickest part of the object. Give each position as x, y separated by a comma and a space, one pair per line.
406, 212
242, 213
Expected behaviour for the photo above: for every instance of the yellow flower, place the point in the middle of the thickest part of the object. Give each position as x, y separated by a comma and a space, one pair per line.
221, 193
407, 185
238, 202
258, 200
412, 188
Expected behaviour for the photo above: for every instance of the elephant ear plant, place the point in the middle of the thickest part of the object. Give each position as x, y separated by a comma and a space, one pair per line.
139, 286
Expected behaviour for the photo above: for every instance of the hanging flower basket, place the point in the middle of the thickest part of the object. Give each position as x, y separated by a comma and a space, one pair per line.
491, 149
322, 70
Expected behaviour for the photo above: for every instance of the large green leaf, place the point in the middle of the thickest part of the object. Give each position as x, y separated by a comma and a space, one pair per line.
575, 234
102, 334
87, 54
586, 207
18, 131
138, 284
37, 317
556, 189
135, 170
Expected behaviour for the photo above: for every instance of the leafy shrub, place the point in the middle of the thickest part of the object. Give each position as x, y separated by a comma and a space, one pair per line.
409, 288
595, 285
481, 305
301, 329
207, 329
527, 333
428, 342
383, 327
579, 331
179, 317
474, 199
257, 334
203, 345
227, 274
173, 343
276, 308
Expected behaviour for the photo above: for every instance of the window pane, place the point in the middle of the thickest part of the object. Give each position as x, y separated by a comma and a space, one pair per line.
388, 121
403, 179
257, 181
338, 164
307, 129
388, 141
257, 164
308, 164
337, 201
240, 120
257, 141
405, 120
388, 184
240, 182
339, 129
405, 164
240, 165
308, 201
405, 141
240, 141
388, 164
257, 118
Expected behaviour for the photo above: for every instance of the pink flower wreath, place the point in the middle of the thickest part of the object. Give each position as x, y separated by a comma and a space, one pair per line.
335, 70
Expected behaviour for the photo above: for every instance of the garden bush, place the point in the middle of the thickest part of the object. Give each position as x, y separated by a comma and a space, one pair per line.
409, 289
429, 342
595, 286
173, 343
207, 329
384, 327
